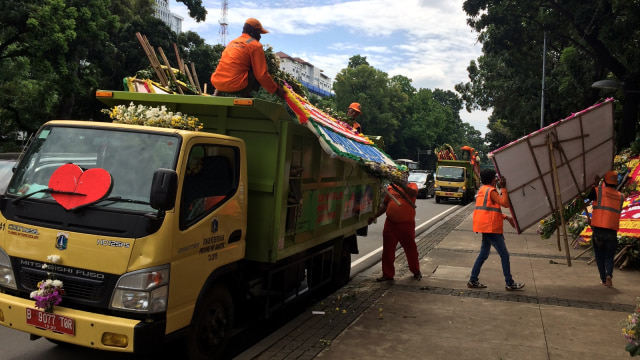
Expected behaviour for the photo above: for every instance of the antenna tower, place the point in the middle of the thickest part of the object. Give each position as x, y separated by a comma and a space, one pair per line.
222, 35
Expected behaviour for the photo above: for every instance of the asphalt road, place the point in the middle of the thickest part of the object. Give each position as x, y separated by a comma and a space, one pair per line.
17, 345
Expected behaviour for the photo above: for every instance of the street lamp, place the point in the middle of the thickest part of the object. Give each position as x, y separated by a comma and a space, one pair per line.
607, 84
627, 131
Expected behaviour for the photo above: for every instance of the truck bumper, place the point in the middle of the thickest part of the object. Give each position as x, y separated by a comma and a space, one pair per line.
449, 194
89, 327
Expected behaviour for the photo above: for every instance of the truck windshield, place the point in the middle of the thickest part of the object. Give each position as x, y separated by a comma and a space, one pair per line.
129, 157
450, 173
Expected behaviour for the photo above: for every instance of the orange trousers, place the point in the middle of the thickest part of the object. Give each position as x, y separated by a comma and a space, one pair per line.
405, 234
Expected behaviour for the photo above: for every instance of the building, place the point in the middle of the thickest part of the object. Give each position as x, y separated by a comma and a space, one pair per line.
313, 78
174, 21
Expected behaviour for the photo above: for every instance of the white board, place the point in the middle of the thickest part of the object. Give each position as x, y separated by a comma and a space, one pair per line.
584, 150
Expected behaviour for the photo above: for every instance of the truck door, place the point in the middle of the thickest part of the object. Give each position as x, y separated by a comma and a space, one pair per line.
212, 221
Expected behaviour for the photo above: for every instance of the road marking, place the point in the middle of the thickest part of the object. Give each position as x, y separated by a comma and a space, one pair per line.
378, 250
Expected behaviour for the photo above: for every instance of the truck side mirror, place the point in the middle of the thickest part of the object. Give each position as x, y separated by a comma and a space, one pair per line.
164, 187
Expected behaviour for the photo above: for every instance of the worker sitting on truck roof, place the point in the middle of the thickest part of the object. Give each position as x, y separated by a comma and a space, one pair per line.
353, 112
243, 66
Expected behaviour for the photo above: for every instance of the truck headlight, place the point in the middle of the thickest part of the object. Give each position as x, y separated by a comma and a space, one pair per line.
143, 291
7, 279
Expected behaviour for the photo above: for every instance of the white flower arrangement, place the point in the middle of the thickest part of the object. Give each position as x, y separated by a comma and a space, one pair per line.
152, 116
50, 291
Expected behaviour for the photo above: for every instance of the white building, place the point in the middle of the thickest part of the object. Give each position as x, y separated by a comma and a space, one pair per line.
313, 78
174, 21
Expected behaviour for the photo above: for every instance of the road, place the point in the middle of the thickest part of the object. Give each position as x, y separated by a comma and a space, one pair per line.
17, 346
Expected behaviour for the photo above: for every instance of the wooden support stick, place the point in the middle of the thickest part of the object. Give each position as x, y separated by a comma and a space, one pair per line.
180, 63
582, 253
156, 63
151, 55
168, 65
559, 197
186, 70
401, 192
195, 77
620, 253
388, 193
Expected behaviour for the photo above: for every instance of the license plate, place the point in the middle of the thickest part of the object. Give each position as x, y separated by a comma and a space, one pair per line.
449, 194
49, 321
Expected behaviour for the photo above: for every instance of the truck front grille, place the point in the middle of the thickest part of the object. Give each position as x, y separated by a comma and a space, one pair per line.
449, 189
76, 288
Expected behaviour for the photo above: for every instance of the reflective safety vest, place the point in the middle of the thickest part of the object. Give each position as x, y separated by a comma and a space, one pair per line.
487, 216
606, 210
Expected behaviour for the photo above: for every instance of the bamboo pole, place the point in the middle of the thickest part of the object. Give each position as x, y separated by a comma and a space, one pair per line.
195, 77
168, 65
186, 71
152, 59
582, 253
559, 198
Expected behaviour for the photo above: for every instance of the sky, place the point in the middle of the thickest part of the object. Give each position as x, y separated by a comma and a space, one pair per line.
428, 41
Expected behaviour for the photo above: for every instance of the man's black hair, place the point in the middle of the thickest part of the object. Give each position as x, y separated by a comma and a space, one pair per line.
253, 32
487, 176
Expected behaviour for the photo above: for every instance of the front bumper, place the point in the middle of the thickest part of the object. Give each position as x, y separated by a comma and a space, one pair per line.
89, 327
449, 194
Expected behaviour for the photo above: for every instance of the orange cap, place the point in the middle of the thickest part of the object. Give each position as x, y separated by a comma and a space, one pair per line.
611, 178
356, 107
256, 24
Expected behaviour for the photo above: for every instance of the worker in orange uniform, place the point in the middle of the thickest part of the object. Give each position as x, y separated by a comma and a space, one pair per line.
353, 112
488, 219
243, 66
400, 226
605, 222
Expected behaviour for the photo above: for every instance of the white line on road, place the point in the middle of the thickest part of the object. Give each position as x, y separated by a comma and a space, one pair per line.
376, 251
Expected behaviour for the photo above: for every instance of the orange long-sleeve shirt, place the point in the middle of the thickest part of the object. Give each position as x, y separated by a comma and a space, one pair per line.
240, 56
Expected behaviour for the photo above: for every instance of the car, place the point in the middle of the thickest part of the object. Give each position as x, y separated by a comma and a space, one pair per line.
7, 162
425, 181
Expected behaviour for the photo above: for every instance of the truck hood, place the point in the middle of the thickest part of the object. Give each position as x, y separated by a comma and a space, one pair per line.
75, 251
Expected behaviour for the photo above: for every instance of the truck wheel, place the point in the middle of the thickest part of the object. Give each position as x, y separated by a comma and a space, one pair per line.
463, 199
437, 199
212, 325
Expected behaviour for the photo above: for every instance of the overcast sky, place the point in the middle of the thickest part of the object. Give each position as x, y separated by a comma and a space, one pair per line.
427, 41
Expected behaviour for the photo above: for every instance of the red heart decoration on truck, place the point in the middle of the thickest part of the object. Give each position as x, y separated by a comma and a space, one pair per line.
83, 187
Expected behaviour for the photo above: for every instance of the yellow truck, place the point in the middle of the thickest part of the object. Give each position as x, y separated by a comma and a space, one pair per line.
159, 234
455, 180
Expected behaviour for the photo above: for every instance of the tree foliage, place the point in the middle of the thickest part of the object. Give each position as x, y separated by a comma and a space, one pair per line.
586, 42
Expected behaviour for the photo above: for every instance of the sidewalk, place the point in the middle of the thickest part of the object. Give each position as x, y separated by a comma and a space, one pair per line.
562, 312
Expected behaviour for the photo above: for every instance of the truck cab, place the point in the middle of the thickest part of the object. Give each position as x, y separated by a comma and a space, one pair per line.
454, 180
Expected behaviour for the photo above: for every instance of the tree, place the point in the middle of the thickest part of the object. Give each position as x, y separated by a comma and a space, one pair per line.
357, 60
196, 10
34, 39
600, 35
369, 87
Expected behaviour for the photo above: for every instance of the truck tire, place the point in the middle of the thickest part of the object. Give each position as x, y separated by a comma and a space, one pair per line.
464, 199
437, 199
211, 326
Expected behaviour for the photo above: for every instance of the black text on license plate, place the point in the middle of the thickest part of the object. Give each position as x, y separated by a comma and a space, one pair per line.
49, 321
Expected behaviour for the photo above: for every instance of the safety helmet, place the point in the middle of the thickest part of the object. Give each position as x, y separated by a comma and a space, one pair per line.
355, 106
611, 178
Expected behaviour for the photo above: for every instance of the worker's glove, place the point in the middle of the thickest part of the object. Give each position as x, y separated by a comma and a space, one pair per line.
280, 92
